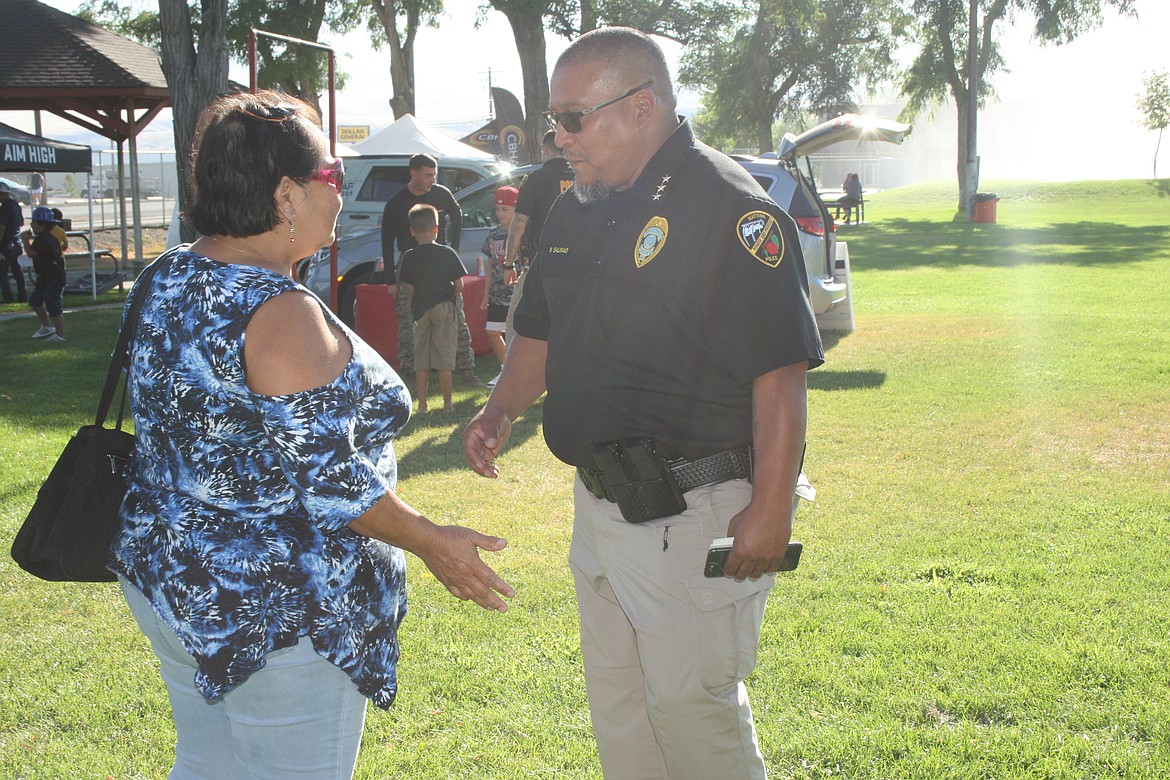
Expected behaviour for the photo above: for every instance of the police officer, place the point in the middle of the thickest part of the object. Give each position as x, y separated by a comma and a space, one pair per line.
667, 313
537, 193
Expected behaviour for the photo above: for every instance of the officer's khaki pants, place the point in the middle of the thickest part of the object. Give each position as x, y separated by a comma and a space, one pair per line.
666, 650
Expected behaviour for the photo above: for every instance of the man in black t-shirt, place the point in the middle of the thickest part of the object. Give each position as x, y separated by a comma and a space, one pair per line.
423, 188
537, 193
11, 218
667, 314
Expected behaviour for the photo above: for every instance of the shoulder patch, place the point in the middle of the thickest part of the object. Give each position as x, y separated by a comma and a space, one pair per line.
651, 241
760, 234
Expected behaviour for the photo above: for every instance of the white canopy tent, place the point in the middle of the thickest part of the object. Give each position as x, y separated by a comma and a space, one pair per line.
409, 136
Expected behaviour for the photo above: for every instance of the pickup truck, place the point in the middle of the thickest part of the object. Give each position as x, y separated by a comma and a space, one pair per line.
105, 185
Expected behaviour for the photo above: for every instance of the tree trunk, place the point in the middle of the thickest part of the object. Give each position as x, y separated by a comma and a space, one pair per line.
967, 184
759, 75
588, 16
401, 52
195, 77
1157, 148
528, 30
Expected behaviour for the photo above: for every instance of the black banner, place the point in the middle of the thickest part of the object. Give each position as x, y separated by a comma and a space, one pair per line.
503, 136
21, 151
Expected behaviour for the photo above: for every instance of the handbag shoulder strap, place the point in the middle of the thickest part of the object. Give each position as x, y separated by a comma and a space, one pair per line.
120, 359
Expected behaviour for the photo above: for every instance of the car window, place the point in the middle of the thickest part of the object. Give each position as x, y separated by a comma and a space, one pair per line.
767, 182
382, 182
801, 206
782, 189
479, 208
456, 179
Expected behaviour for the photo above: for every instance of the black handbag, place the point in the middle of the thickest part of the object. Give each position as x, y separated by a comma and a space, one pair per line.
67, 534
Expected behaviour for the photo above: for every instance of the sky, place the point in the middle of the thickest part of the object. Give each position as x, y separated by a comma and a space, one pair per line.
1062, 112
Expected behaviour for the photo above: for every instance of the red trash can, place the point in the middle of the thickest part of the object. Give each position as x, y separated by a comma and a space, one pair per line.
985, 207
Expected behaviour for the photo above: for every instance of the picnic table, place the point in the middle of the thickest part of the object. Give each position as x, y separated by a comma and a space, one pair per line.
84, 282
830, 198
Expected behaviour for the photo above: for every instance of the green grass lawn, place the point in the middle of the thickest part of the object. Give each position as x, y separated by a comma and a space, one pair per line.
984, 586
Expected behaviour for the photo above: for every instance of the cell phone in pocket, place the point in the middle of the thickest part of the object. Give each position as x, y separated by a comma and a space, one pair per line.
719, 549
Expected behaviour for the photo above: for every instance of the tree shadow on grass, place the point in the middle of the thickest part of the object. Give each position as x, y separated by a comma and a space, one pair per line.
902, 244
443, 451
821, 379
1161, 187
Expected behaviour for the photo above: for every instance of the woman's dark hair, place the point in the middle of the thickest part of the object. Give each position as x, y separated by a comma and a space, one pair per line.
243, 145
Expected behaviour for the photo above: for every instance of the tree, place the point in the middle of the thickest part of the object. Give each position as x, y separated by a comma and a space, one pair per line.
196, 76
685, 21
941, 68
410, 14
526, 18
792, 57
1154, 103
293, 69
131, 20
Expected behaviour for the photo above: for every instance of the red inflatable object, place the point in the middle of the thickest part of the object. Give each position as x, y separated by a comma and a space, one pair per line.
376, 320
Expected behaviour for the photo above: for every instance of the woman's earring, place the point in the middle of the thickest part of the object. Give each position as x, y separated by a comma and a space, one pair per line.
292, 229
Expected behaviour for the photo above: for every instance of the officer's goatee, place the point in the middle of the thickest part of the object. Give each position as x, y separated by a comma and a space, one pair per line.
590, 191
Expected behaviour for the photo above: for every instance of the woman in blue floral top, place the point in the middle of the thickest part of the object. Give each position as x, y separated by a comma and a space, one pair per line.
261, 551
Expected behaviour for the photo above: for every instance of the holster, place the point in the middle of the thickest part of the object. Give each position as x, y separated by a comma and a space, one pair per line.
634, 476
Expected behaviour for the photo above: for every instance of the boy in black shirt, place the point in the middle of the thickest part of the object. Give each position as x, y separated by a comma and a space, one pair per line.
433, 277
42, 246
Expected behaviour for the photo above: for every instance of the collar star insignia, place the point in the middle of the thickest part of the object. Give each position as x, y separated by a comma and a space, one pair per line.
661, 188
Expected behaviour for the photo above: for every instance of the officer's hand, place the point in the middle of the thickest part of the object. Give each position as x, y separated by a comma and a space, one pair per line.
761, 541
484, 438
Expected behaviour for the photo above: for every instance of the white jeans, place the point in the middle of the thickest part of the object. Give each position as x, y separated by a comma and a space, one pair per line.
665, 649
298, 717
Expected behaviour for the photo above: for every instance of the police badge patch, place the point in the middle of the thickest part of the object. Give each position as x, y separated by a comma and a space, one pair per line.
651, 241
760, 234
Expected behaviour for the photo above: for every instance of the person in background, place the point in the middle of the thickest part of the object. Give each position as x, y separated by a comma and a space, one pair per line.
432, 275
424, 188
11, 220
36, 189
851, 200
41, 245
537, 193
59, 230
497, 288
667, 315
262, 541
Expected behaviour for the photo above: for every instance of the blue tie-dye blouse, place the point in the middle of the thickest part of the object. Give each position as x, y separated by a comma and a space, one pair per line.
236, 517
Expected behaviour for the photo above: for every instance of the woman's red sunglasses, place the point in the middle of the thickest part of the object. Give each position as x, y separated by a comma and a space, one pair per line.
334, 176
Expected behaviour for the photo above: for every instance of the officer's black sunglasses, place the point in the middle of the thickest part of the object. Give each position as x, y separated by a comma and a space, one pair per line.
571, 120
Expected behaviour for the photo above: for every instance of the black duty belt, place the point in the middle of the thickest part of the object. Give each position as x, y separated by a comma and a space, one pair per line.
683, 475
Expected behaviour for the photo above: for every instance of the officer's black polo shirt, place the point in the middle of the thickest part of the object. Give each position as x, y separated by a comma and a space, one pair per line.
662, 303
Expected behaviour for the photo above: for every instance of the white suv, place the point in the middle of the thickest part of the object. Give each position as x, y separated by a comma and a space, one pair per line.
796, 193
371, 181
